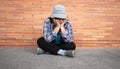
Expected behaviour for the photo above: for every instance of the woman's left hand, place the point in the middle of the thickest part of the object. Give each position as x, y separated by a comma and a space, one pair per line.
62, 25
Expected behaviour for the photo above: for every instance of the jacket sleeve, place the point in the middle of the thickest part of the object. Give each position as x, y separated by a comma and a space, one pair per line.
49, 34
68, 35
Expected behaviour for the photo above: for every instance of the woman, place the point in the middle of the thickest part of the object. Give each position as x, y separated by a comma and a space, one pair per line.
58, 35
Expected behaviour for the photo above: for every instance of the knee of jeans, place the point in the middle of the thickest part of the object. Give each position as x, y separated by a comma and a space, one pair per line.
39, 40
73, 45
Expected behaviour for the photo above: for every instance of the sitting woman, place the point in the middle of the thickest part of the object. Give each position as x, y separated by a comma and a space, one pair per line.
58, 35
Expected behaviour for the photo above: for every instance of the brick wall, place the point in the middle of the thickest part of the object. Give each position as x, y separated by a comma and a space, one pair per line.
95, 22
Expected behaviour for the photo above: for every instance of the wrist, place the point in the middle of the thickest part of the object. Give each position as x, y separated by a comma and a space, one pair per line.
56, 29
57, 26
61, 26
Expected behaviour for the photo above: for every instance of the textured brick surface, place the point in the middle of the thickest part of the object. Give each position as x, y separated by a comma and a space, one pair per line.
95, 22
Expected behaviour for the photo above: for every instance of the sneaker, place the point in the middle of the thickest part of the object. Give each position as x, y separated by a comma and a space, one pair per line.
40, 51
70, 53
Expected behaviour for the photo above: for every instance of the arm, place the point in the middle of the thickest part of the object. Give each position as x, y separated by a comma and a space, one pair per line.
67, 33
49, 34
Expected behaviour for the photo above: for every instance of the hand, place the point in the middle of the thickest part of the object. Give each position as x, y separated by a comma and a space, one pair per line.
62, 24
58, 24
57, 28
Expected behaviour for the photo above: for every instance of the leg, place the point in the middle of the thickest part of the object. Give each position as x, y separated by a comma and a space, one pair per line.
69, 49
48, 47
67, 46
57, 49
66, 49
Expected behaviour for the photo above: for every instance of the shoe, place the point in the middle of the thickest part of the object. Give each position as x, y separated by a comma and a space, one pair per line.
40, 51
70, 53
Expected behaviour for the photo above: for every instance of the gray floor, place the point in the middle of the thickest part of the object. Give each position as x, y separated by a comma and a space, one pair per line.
26, 58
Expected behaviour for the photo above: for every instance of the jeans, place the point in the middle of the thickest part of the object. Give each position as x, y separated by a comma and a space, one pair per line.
54, 48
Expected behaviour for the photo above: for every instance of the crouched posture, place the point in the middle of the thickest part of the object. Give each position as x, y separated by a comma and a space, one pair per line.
58, 35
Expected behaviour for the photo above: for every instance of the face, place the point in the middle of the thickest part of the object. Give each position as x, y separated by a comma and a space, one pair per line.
59, 20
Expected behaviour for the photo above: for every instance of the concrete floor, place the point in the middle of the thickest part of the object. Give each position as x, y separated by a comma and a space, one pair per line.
26, 58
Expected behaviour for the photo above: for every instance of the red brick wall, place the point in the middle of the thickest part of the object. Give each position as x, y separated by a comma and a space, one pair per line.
95, 22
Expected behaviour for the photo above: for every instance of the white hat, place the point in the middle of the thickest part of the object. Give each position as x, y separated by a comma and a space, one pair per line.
59, 11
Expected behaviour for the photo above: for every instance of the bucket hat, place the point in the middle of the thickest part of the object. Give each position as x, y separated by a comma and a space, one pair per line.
59, 11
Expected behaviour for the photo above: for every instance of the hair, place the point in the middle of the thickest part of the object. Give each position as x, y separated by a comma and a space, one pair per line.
51, 19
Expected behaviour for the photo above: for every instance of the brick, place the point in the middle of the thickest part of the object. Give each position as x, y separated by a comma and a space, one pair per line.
95, 23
